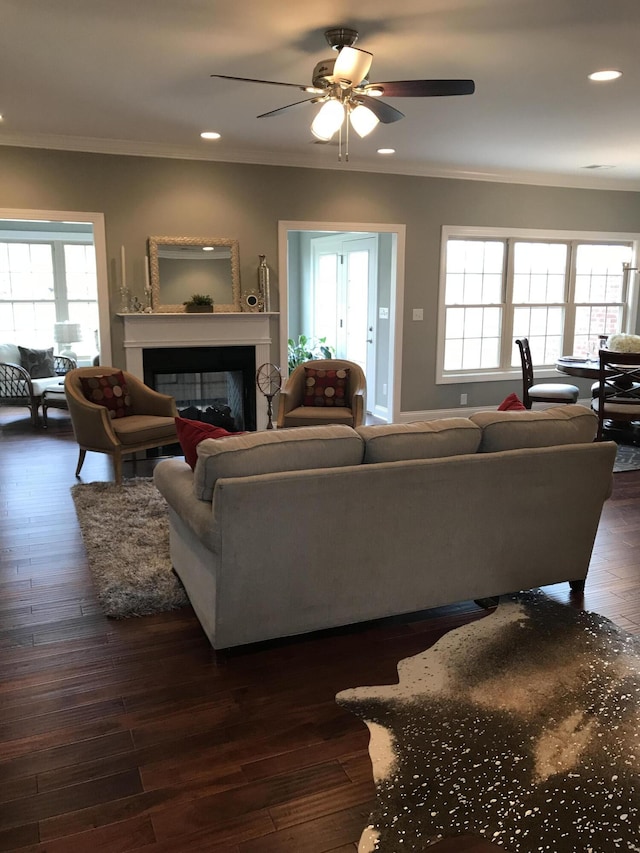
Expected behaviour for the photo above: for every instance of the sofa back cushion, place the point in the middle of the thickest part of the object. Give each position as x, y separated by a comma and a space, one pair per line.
9, 354
38, 363
420, 440
573, 424
268, 452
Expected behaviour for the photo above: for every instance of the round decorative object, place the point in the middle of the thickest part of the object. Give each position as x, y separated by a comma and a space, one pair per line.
251, 301
269, 382
268, 379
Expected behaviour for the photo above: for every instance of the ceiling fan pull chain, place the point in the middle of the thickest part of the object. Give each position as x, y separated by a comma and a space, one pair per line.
346, 149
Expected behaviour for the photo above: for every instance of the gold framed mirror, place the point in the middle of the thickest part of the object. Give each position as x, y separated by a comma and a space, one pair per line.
180, 267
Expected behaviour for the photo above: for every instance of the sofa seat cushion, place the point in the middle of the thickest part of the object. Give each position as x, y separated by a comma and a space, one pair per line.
572, 424
420, 440
42, 385
273, 451
139, 429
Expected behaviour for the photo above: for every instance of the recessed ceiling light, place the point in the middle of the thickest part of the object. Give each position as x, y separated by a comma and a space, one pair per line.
210, 134
605, 74
386, 150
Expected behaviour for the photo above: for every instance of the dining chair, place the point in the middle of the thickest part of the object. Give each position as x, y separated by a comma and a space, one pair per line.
547, 392
618, 397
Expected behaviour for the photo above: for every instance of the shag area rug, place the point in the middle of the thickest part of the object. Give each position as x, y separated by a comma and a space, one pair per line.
126, 534
522, 728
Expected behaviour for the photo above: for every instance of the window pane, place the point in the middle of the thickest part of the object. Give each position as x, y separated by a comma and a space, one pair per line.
80, 270
474, 273
599, 272
453, 355
539, 272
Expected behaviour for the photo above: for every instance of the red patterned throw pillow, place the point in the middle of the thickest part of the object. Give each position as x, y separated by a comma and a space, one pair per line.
326, 387
191, 433
512, 403
110, 391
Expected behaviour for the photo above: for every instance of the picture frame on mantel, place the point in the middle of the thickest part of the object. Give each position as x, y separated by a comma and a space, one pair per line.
182, 266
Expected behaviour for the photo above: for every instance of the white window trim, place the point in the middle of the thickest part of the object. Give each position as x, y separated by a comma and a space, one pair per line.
100, 242
468, 231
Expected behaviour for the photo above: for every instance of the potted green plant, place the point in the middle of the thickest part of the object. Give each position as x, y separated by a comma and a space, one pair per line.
307, 349
199, 303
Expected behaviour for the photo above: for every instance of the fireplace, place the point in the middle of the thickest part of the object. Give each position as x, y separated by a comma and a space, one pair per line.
211, 384
229, 344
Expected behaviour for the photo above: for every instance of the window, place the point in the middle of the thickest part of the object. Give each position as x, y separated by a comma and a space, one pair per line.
42, 283
561, 291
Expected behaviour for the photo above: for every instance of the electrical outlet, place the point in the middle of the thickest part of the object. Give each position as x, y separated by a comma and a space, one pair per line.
418, 313
383, 313
463, 399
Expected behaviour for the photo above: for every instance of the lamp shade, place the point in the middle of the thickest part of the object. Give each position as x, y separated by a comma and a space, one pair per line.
363, 120
328, 120
67, 333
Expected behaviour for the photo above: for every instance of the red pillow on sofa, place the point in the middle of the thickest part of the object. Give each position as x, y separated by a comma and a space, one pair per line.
191, 433
110, 391
512, 403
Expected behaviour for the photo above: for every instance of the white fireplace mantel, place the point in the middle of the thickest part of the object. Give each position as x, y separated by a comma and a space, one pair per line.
146, 331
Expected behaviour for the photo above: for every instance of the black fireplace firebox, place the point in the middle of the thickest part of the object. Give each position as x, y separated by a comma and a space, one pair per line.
211, 384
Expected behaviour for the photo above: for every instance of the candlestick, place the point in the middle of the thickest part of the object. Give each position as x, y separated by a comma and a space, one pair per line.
124, 271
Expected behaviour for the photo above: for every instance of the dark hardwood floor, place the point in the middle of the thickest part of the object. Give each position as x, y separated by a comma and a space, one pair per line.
132, 735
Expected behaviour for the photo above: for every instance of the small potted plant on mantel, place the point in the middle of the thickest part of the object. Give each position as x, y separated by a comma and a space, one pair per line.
199, 303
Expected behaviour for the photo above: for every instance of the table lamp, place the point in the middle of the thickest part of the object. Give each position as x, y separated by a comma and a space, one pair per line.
65, 334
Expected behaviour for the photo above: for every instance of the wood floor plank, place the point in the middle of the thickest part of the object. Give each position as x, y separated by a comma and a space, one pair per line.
135, 735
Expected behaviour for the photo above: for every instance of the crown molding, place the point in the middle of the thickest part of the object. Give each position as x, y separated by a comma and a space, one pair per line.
133, 148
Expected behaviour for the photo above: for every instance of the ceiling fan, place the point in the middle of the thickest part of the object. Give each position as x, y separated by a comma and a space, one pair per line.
341, 85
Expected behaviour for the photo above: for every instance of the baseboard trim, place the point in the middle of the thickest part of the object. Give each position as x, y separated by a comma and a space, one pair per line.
465, 412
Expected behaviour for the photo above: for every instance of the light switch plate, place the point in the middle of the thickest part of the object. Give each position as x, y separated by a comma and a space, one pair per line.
418, 313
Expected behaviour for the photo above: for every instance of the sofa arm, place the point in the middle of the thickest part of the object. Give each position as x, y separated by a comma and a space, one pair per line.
63, 365
15, 382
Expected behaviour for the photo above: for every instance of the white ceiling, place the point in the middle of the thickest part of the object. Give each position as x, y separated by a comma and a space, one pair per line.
132, 76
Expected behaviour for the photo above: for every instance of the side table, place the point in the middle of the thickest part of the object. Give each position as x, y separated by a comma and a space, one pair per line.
53, 398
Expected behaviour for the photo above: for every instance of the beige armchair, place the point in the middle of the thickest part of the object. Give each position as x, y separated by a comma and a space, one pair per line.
292, 412
150, 422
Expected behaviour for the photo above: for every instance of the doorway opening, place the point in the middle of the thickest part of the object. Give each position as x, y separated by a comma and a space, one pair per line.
344, 282
56, 275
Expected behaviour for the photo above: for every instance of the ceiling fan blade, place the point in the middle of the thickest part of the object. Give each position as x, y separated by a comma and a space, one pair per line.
252, 80
351, 66
288, 107
423, 88
382, 111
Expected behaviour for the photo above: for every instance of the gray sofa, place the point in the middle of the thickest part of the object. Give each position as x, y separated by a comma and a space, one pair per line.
284, 532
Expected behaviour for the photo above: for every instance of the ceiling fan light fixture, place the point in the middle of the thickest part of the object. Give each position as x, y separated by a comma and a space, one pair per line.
351, 66
363, 120
328, 120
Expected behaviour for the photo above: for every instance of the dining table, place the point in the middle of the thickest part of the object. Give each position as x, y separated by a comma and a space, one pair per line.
584, 368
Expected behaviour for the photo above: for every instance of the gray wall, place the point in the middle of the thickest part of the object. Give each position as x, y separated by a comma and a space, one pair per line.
142, 196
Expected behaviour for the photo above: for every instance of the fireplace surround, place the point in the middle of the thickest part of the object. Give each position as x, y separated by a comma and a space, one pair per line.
204, 332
